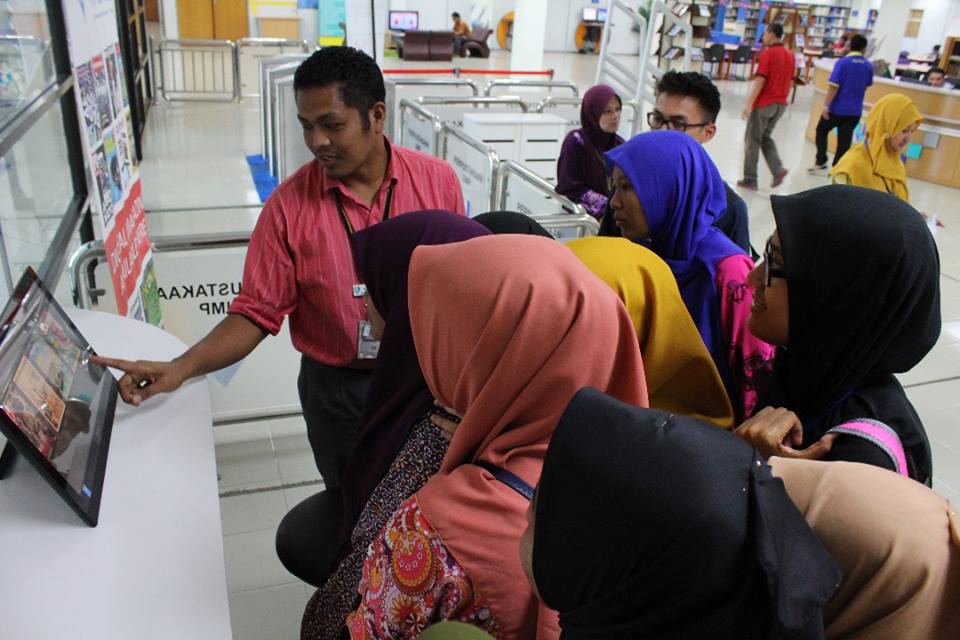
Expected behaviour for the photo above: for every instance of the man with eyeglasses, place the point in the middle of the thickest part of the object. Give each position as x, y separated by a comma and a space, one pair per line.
689, 102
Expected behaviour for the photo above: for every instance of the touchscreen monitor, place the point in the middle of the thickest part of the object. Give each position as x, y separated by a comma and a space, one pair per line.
56, 407
589, 14
404, 20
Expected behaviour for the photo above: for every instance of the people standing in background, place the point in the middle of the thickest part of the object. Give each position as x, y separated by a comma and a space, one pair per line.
461, 32
843, 104
877, 163
765, 106
581, 169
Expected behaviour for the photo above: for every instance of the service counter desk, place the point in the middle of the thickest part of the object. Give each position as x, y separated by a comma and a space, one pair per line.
153, 568
939, 135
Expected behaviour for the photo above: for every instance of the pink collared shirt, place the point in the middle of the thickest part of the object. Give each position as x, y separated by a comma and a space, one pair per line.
299, 262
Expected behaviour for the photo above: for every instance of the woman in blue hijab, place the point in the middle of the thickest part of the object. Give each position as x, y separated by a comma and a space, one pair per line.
668, 193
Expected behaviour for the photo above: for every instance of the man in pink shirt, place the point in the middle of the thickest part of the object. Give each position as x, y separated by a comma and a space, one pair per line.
299, 263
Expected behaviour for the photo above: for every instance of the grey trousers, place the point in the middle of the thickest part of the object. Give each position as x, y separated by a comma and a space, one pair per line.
332, 399
759, 129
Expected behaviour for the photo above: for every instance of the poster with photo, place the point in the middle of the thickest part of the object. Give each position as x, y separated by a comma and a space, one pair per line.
109, 149
100, 83
88, 93
102, 177
113, 163
123, 150
121, 77
131, 152
113, 78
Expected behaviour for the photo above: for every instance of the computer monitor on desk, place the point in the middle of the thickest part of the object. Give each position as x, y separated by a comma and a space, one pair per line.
56, 407
404, 20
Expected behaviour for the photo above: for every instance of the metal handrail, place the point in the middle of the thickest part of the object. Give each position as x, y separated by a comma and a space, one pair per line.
551, 101
508, 167
280, 161
610, 69
243, 43
558, 84
493, 159
569, 221
484, 100
94, 250
273, 42
456, 82
417, 109
273, 75
184, 45
265, 106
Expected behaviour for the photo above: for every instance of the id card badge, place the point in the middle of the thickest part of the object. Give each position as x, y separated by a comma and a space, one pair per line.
367, 345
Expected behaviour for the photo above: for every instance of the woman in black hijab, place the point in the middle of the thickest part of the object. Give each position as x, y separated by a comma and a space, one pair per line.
650, 525
500, 222
849, 290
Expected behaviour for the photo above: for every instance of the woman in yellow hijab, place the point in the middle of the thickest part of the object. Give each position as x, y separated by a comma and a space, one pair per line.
876, 162
681, 376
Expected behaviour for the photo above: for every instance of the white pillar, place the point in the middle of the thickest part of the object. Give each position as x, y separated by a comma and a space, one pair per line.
932, 28
891, 24
529, 34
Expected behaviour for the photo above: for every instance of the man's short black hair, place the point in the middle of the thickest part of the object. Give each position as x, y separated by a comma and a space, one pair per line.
776, 29
356, 73
693, 84
455, 14
858, 43
936, 70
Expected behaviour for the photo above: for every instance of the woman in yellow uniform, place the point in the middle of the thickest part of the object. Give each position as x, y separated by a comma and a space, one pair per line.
877, 162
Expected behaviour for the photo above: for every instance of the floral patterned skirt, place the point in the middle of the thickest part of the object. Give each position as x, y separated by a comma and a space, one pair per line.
421, 456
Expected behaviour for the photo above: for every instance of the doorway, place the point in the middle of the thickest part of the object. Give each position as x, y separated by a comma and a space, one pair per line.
212, 19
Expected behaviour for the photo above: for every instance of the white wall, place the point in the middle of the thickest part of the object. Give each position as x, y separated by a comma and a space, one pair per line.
891, 23
434, 14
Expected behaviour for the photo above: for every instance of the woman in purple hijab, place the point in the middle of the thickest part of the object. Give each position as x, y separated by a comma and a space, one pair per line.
398, 447
581, 170
668, 195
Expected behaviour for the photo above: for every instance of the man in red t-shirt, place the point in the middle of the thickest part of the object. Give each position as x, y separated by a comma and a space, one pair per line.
765, 105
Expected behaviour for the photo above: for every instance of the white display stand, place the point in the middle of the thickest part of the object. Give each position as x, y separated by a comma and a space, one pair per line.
532, 139
153, 568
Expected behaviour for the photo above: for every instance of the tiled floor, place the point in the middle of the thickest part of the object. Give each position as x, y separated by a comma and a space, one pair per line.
195, 180
265, 468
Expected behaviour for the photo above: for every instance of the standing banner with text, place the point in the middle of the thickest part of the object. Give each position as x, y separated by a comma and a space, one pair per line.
112, 170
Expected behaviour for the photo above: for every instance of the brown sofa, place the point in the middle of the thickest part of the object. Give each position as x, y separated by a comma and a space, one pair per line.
476, 45
427, 45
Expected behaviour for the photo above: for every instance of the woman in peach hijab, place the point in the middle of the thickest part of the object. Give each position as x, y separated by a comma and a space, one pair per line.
506, 351
896, 542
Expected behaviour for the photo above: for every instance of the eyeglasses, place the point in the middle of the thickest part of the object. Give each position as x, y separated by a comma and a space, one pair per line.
656, 121
770, 273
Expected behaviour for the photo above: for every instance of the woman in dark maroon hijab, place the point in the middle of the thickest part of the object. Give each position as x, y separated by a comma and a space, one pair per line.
581, 170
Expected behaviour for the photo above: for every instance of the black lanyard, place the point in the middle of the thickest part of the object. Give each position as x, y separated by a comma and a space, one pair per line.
343, 213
